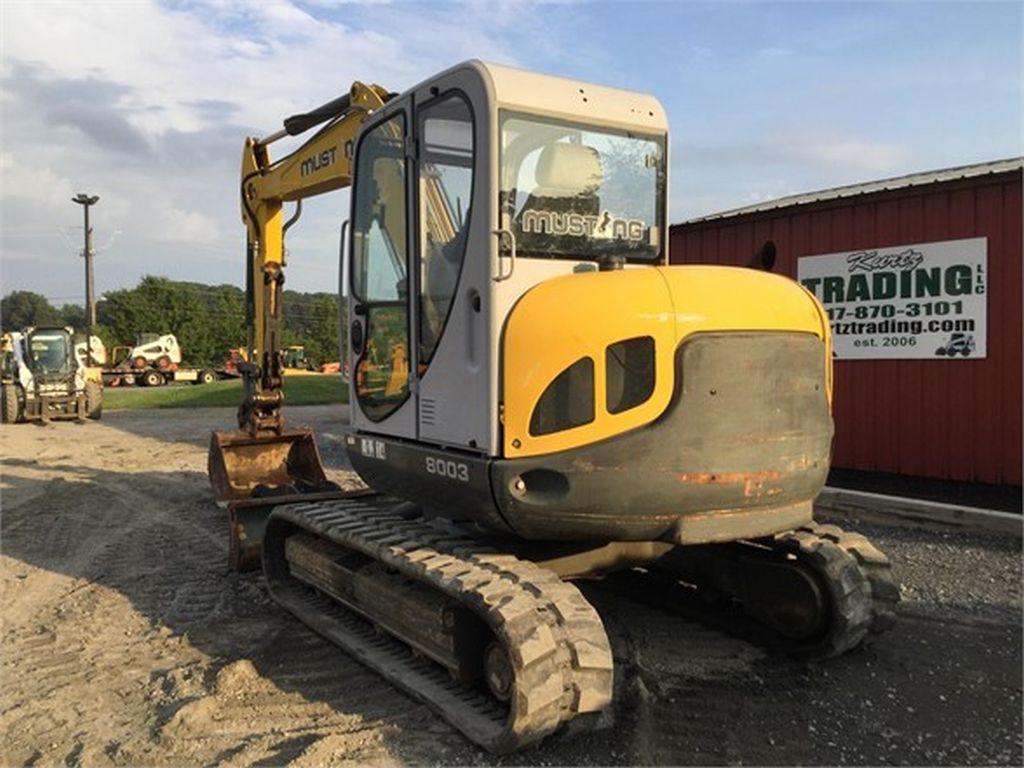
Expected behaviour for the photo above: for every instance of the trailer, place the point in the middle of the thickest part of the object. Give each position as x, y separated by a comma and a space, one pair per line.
152, 377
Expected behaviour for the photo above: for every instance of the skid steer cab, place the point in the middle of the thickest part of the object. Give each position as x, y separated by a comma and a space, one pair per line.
43, 378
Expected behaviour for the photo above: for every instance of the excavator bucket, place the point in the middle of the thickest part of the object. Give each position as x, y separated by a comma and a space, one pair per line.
252, 475
245, 467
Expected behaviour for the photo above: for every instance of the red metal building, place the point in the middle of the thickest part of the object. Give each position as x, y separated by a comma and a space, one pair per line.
943, 418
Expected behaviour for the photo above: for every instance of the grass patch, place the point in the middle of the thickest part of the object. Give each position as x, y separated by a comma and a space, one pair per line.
299, 390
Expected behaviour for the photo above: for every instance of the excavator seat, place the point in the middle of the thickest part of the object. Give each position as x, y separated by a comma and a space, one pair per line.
568, 178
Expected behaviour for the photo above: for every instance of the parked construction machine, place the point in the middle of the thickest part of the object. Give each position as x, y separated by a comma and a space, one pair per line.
154, 350
294, 361
537, 398
43, 378
151, 350
91, 352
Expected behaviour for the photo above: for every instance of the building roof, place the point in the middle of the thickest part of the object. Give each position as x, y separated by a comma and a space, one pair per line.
897, 182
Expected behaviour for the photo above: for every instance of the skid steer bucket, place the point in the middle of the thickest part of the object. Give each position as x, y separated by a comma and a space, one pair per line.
245, 467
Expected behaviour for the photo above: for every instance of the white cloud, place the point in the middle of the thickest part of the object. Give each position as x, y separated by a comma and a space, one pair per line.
146, 103
151, 114
42, 186
184, 226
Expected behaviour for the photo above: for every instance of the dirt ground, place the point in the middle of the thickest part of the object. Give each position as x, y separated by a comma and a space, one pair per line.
126, 640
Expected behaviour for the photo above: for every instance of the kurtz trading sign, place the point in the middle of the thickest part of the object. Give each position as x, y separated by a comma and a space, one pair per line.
907, 301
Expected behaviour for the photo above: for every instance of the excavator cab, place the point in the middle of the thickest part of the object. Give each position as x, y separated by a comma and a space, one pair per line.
470, 190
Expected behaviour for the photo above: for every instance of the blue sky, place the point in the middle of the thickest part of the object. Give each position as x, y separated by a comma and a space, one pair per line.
764, 100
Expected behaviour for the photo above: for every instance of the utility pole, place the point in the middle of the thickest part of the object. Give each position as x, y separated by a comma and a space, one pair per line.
85, 201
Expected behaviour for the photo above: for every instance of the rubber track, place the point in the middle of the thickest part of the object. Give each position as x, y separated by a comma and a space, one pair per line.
849, 588
553, 637
885, 592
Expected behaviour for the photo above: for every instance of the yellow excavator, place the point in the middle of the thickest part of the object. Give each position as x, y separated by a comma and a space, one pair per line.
536, 398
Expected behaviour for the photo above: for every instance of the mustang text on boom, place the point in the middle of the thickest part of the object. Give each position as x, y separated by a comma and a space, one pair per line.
317, 161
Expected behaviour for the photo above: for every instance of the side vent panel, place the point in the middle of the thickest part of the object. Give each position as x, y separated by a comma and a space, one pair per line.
428, 411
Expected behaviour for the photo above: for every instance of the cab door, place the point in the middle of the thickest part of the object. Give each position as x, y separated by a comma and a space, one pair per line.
381, 384
452, 246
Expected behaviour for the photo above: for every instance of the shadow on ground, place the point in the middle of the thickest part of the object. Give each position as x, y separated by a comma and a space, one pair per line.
943, 688
193, 425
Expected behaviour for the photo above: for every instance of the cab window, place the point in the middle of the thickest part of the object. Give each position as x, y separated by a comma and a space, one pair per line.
446, 190
574, 191
379, 275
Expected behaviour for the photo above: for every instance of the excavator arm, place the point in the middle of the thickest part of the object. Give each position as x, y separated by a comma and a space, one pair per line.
322, 164
264, 463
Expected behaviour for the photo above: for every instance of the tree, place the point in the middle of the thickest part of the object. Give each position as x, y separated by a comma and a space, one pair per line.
313, 320
207, 319
73, 315
20, 309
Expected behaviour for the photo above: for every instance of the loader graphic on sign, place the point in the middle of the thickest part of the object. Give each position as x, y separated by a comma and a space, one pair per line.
957, 344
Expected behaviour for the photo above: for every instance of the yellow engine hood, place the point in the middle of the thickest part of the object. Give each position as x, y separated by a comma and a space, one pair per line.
562, 320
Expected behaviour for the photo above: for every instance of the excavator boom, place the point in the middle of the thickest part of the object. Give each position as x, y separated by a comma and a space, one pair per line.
263, 458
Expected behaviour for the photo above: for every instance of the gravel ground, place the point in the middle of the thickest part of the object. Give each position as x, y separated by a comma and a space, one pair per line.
127, 641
